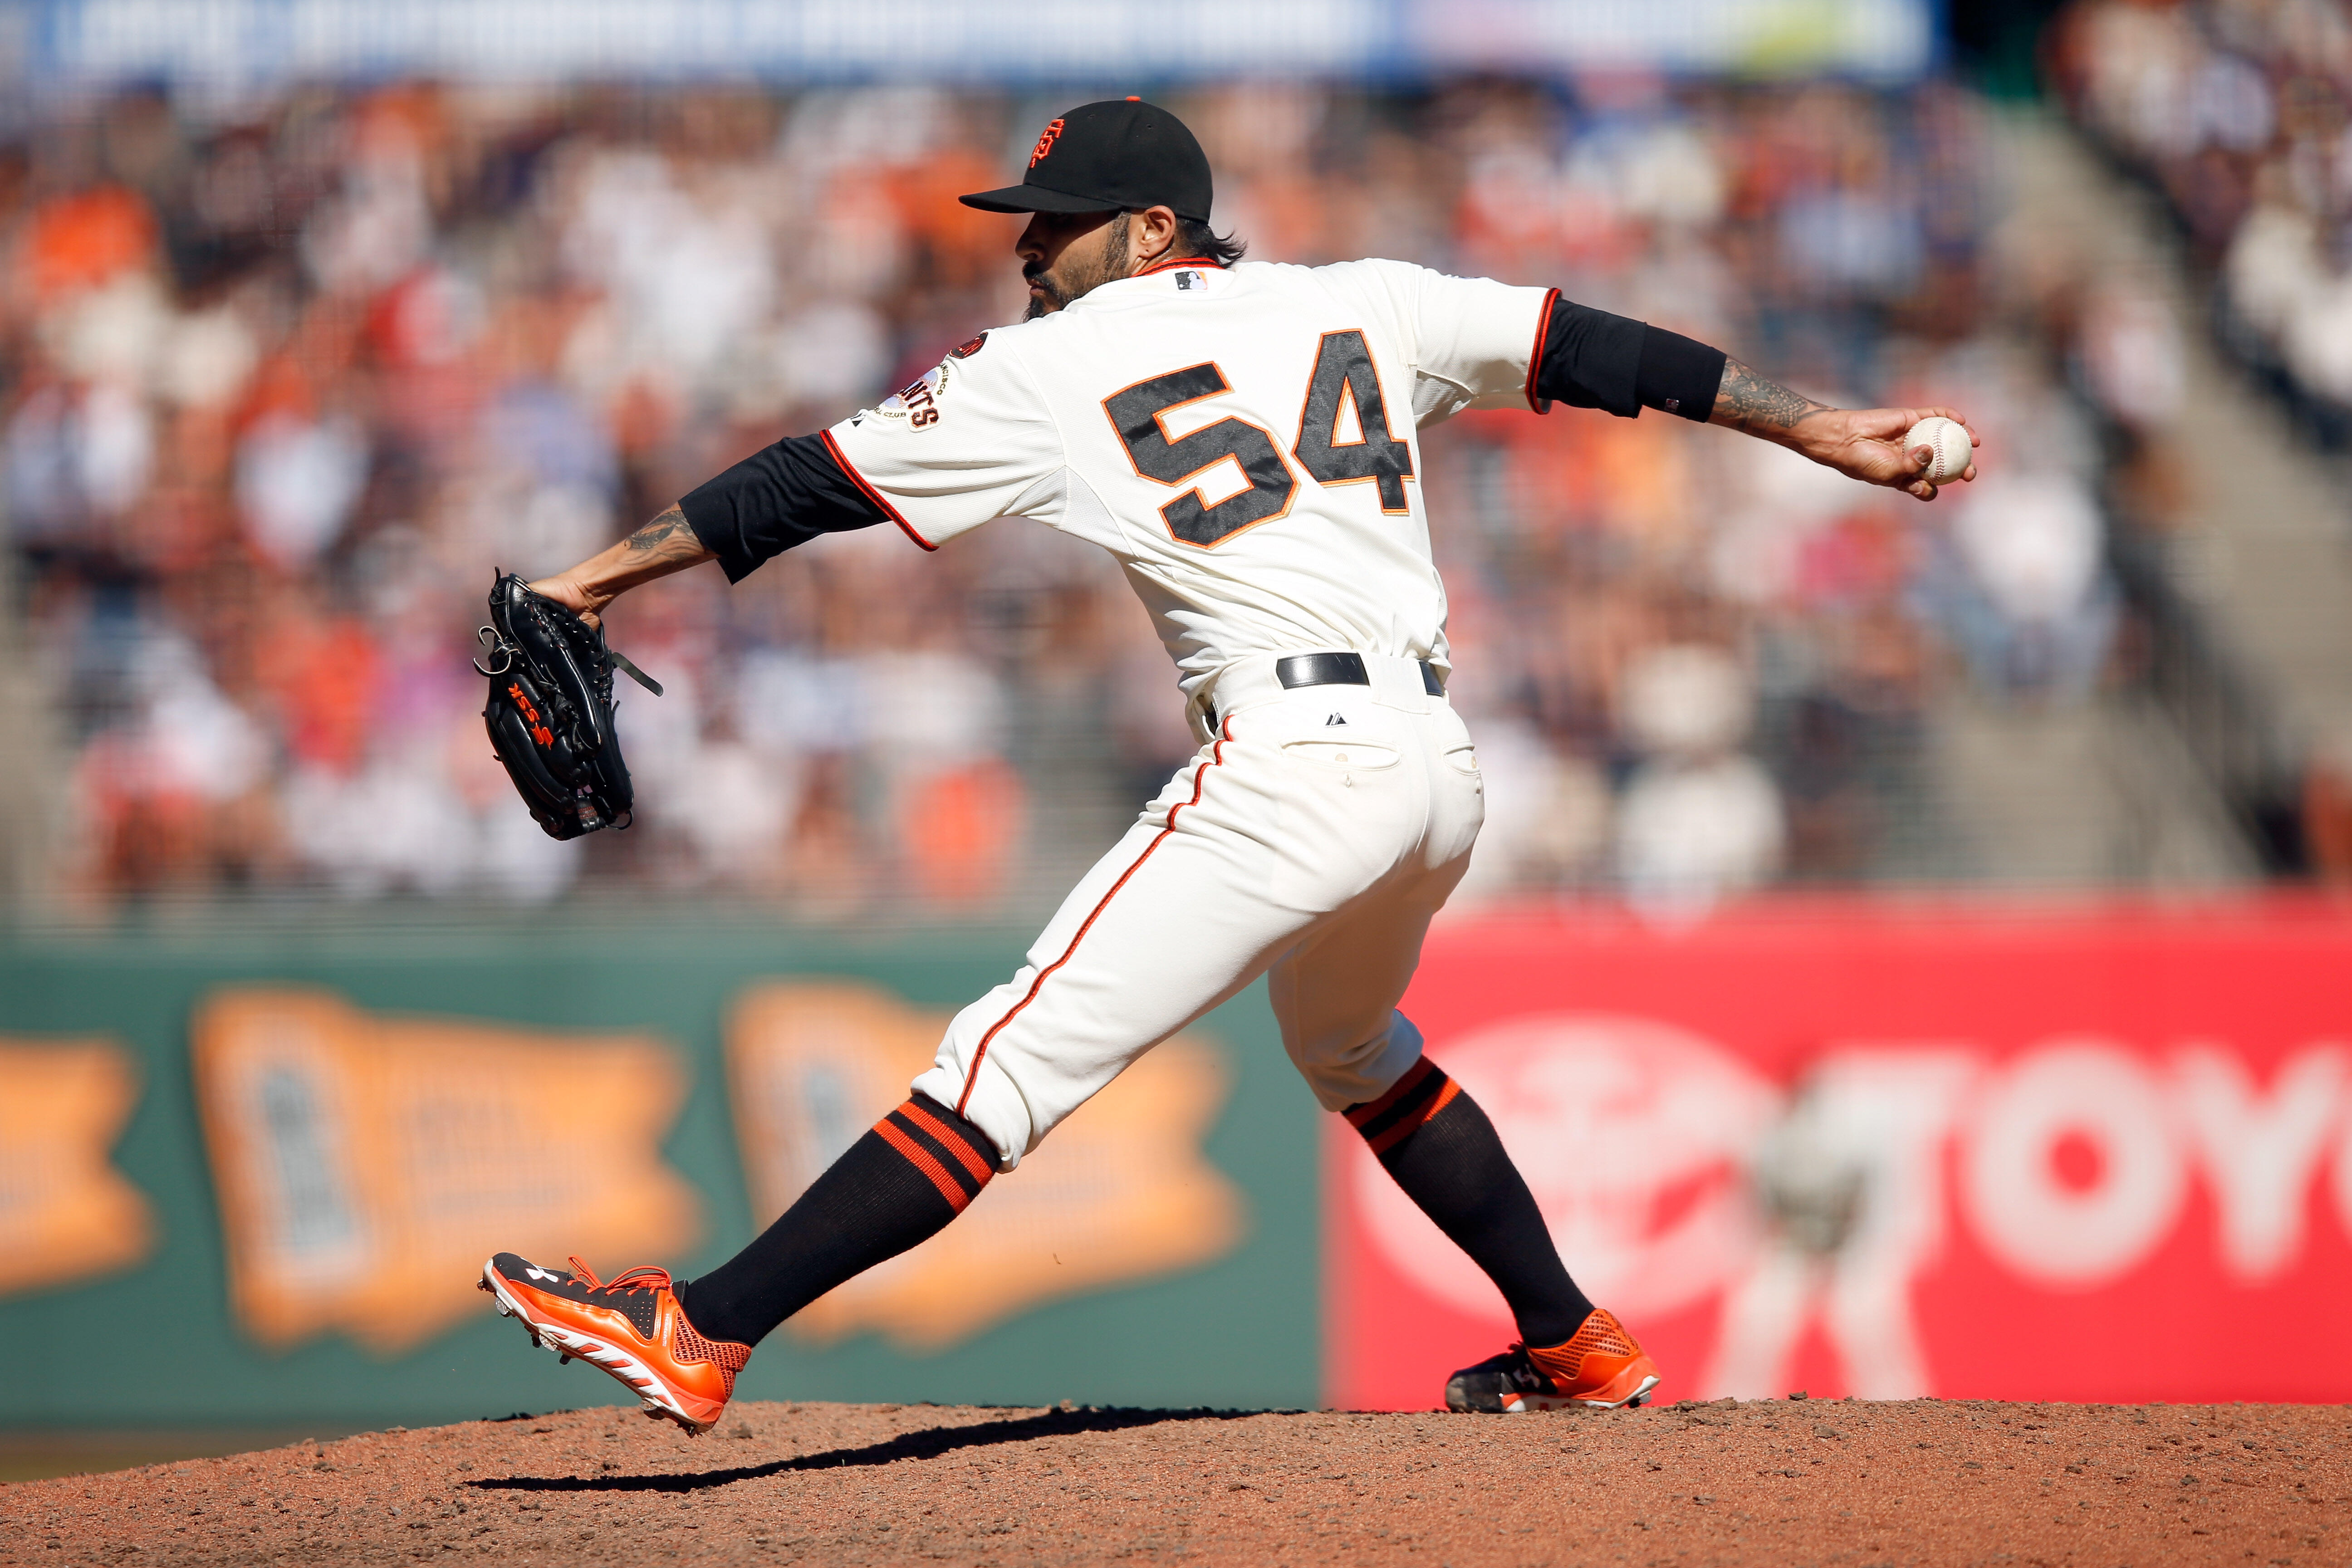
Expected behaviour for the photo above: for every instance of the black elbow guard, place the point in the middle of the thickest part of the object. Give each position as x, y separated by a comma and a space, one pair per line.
1677, 374
779, 496
1591, 358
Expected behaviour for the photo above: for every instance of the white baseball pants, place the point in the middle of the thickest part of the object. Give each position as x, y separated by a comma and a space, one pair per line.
1314, 836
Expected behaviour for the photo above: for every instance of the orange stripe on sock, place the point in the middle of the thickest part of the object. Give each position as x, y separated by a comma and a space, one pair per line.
1408, 1125
921, 1158
1360, 1114
981, 1169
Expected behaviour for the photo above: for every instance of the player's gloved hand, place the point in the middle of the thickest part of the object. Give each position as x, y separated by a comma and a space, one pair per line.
1866, 443
549, 713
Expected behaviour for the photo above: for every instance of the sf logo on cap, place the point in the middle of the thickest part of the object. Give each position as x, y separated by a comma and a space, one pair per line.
1045, 144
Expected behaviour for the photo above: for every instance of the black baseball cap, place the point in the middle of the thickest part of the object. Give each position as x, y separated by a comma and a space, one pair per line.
1119, 154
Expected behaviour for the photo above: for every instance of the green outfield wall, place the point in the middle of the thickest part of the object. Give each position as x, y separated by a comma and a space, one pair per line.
1200, 1285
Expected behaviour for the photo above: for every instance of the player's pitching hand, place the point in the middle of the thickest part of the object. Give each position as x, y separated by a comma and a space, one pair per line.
1866, 443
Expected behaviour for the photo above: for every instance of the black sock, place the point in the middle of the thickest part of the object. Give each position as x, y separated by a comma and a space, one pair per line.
897, 1185
1444, 1153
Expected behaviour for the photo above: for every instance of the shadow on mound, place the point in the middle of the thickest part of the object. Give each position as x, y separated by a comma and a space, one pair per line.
927, 1444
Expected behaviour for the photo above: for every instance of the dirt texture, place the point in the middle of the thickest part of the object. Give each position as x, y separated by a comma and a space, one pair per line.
1779, 1482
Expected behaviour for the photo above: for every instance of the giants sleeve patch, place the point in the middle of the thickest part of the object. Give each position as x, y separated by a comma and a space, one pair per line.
919, 402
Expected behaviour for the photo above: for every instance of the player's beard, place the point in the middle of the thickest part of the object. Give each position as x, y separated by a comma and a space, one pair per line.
1081, 275
1054, 299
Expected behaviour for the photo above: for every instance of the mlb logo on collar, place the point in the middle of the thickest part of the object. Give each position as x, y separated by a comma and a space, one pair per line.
1191, 282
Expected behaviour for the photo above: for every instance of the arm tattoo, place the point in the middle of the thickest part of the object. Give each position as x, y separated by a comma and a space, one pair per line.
665, 536
1746, 401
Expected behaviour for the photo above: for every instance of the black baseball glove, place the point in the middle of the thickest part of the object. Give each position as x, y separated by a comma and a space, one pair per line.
550, 710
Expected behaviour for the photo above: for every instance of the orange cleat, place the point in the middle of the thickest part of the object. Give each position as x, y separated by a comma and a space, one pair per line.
631, 1326
1599, 1365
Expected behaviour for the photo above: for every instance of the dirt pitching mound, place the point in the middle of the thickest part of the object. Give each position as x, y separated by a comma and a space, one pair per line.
1779, 1482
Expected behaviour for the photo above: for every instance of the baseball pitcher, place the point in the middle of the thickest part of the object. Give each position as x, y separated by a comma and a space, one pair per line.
1244, 438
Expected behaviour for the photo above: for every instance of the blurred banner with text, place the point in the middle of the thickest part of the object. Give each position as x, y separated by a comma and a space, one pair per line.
367, 1165
1852, 1149
1121, 1196
249, 1180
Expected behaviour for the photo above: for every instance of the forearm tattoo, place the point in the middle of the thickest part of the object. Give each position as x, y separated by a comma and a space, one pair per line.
1746, 401
666, 537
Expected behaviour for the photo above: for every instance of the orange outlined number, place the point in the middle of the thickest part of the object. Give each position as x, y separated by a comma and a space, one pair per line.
1138, 413
1344, 374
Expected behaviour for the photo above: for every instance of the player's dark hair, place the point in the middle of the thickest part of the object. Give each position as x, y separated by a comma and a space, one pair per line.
1195, 238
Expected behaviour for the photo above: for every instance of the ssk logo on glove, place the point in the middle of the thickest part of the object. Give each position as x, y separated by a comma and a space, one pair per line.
538, 730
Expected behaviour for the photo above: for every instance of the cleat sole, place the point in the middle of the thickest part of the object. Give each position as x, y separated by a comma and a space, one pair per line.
1461, 1404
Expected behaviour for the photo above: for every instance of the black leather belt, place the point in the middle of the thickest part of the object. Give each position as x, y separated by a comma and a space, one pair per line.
1341, 669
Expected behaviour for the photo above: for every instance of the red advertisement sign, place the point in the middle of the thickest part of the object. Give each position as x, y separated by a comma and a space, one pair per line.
1887, 1150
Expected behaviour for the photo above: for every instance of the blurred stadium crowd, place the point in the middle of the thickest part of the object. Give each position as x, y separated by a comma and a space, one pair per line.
283, 382
2241, 112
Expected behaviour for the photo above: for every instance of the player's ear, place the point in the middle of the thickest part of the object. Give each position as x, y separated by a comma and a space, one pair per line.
1151, 233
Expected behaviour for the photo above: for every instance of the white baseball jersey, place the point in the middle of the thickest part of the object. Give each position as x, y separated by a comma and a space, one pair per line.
1244, 440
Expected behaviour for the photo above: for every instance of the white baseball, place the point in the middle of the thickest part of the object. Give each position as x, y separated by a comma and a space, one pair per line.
1948, 439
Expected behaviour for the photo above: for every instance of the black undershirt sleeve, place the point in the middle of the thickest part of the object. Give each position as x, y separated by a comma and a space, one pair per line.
778, 497
1592, 359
